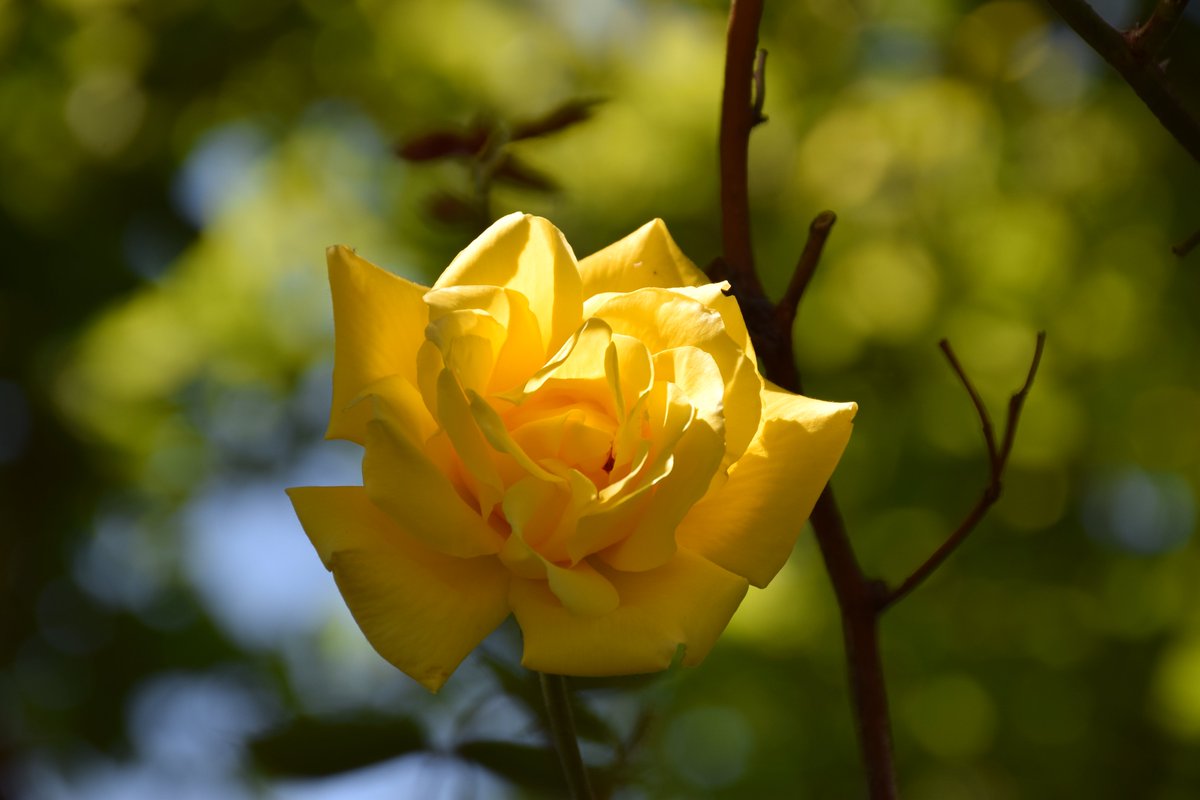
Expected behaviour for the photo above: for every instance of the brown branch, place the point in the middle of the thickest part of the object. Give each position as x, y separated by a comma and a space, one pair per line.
859, 605
997, 460
737, 118
1133, 55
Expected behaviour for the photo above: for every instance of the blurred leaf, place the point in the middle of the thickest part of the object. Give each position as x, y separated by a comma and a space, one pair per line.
315, 747
530, 767
518, 173
443, 144
564, 116
451, 209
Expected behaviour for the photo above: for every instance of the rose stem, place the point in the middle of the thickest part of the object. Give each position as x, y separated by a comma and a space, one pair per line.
556, 693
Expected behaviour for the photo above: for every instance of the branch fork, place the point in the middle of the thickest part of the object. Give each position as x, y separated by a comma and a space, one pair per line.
861, 600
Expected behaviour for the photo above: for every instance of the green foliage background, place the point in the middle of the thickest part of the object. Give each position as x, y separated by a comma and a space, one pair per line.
170, 173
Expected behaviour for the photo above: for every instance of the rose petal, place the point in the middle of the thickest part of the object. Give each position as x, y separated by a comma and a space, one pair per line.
469, 341
750, 524
696, 373
379, 323
518, 350
522, 353
579, 360
646, 257
687, 601
405, 403
454, 412
580, 437
630, 372
401, 479
534, 508
421, 610
652, 542
713, 295
663, 320
498, 436
530, 256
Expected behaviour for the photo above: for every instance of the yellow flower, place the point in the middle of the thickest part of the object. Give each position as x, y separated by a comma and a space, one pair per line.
587, 445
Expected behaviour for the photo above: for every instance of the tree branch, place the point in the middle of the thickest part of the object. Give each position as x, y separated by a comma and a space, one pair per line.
1134, 56
997, 460
860, 600
859, 603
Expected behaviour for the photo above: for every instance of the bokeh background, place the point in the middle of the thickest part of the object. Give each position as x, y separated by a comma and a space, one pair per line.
170, 174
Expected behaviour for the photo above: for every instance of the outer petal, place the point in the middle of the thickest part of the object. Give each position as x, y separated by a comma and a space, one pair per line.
399, 478
646, 257
528, 255
687, 601
751, 522
421, 610
379, 322
404, 402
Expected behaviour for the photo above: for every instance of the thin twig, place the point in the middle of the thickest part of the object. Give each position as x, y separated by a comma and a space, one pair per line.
1138, 64
806, 267
985, 419
1148, 38
557, 695
998, 459
1017, 402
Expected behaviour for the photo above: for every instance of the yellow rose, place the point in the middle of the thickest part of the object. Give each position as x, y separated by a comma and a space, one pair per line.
587, 445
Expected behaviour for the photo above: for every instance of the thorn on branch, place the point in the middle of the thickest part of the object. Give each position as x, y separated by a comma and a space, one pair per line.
1150, 37
760, 88
997, 458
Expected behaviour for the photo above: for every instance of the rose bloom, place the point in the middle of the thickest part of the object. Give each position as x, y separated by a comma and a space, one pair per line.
587, 445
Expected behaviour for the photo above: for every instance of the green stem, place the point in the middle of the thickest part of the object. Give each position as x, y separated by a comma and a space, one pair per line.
562, 729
